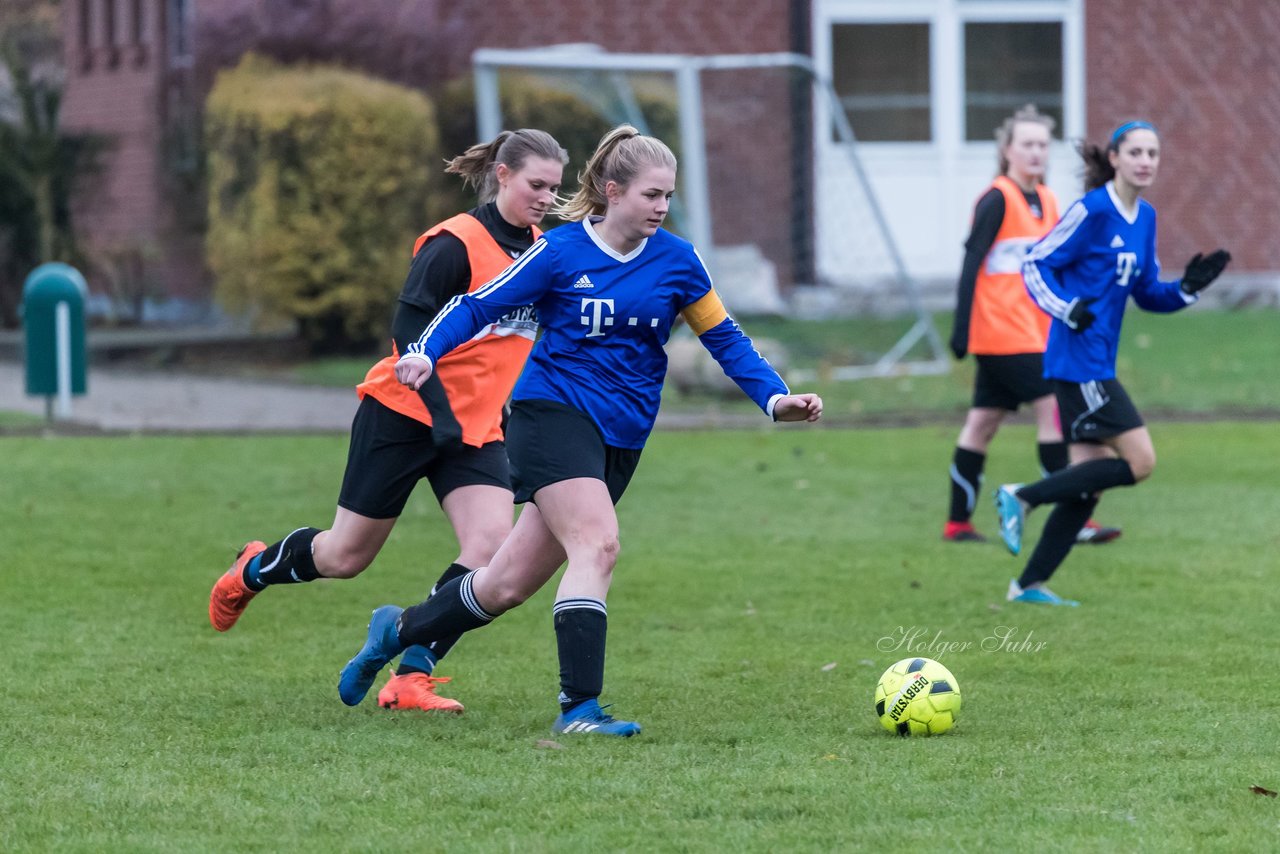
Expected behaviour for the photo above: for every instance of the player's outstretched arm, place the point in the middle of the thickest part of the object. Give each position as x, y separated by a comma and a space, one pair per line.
733, 351
798, 407
521, 284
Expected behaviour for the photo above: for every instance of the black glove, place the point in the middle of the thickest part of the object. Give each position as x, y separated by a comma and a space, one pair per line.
960, 342
1079, 318
1201, 271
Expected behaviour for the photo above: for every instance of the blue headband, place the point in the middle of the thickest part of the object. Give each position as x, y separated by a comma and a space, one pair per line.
1126, 127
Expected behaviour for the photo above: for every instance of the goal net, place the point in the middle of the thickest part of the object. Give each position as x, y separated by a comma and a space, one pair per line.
771, 189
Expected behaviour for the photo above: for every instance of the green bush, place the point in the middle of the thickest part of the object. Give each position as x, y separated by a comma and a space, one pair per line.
319, 179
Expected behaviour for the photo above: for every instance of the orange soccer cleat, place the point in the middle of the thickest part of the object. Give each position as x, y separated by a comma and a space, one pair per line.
230, 596
416, 691
961, 532
1097, 534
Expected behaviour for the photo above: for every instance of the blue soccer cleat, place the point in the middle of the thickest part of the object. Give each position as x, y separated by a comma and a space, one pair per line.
1013, 515
382, 645
589, 718
1037, 596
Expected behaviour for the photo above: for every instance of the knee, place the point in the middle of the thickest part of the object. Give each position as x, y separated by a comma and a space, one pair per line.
595, 555
341, 563
1142, 465
506, 594
607, 550
979, 429
480, 545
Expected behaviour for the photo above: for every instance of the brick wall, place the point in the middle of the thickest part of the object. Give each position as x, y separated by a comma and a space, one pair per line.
121, 84
658, 26
416, 42
1207, 74
112, 90
422, 42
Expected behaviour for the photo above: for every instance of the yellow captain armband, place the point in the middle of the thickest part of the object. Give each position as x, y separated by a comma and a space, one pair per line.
706, 313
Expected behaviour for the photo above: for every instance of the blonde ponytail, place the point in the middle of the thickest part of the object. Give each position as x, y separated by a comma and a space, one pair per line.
619, 157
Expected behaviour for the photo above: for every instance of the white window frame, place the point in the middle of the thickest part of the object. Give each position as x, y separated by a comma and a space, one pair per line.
927, 188
946, 20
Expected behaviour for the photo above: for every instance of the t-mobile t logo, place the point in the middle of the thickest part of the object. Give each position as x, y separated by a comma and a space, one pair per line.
593, 315
1125, 264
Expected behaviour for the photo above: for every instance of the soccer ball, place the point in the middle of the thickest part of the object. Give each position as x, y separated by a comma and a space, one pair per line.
917, 696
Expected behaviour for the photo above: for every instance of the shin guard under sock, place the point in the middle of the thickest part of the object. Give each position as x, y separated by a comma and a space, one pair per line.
1059, 535
966, 483
286, 562
422, 659
1078, 481
451, 611
1053, 457
581, 625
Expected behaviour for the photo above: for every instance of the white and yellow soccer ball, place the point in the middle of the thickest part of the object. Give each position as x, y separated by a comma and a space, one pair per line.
917, 696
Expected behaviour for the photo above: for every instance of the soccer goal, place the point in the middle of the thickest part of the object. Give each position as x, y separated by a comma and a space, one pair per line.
788, 226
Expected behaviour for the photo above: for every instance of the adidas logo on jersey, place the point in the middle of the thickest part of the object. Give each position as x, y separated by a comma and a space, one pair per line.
584, 282
1117, 242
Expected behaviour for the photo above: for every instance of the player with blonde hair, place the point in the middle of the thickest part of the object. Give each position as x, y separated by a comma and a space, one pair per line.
608, 287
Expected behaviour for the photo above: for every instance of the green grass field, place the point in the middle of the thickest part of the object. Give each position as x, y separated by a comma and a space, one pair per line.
766, 580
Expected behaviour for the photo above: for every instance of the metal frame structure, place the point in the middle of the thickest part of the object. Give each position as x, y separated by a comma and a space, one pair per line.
696, 213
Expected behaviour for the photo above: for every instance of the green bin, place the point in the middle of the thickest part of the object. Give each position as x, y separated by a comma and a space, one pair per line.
52, 305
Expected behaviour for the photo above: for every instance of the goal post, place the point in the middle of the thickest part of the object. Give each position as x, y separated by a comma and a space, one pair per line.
772, 190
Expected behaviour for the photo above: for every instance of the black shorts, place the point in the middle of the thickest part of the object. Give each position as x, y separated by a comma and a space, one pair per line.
391, 452
1095, 410
1007, 382
549, 442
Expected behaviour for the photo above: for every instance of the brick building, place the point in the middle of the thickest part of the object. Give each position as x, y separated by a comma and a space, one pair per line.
129, 78
1209, 77
921, 79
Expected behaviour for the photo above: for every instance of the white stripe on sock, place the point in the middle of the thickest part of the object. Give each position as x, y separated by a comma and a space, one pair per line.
470, 602
580, 602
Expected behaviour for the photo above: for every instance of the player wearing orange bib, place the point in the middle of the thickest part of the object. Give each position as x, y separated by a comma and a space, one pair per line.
608, 285
1000, 325
450, 430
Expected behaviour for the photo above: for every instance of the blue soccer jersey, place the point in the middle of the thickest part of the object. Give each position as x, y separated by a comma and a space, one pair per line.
605, 319
1099, 253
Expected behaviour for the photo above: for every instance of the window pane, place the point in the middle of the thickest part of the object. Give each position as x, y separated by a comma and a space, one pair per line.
881, 73
1007, 66
180, 29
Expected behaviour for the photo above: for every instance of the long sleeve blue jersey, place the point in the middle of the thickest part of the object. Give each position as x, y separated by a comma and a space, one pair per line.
1099, 253
605, 319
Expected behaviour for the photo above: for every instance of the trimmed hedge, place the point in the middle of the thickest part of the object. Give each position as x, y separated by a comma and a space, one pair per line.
319, 180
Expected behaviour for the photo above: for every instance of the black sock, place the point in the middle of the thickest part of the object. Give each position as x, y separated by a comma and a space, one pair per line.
286, 562
423, 659
581, 625
450, 612
1078, 481
966, 482
1059, 535
1053, 457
